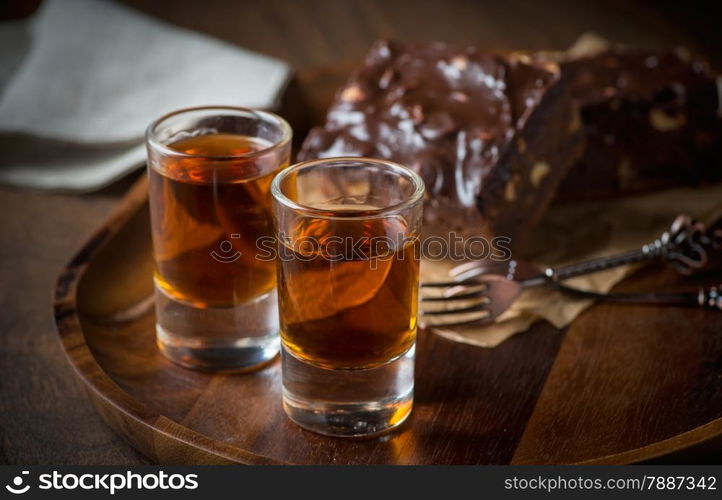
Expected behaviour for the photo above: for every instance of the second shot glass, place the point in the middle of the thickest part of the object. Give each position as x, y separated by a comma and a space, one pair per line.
348, 277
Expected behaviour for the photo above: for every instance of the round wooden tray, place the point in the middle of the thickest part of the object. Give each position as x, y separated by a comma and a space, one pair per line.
621, 384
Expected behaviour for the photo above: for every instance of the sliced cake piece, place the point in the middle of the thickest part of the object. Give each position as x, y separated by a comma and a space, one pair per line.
650, 120
492, 135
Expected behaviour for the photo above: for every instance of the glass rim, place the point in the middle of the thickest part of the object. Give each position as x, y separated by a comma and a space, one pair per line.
151, 133
415, 197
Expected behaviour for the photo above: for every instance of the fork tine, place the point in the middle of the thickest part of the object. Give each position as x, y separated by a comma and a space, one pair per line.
448, 284
448, 298
436, 321
462, 268
439, 284
468, 297
446, 312
467, 271
458, 292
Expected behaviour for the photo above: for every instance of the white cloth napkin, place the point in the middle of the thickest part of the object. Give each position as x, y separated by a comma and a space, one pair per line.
89, 75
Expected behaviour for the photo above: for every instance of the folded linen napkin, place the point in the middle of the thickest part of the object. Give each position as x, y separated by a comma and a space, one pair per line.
90, 75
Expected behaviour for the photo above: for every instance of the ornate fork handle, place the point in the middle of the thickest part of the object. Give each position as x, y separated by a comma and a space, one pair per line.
706, 298
683, 245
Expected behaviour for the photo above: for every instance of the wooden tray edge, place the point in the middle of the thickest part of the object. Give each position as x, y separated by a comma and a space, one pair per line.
154, 435
688, 446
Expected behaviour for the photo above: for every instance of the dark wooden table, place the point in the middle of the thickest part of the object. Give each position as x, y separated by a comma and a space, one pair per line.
44, 415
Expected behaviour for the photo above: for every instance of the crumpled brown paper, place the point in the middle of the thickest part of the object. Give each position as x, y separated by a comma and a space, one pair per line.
572, 233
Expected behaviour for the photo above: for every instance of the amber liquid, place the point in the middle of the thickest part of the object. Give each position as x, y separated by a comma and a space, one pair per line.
207, 217
358, 309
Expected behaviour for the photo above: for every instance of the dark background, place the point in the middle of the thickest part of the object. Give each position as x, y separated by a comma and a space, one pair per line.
44, 415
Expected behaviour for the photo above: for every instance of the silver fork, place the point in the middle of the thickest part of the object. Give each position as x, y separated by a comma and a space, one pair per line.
480, 292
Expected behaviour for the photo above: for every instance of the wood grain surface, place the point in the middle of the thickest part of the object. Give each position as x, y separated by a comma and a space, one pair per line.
44, 414
621, 384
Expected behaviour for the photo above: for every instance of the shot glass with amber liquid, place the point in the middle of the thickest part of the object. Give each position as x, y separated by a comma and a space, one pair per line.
348, 277
210, 172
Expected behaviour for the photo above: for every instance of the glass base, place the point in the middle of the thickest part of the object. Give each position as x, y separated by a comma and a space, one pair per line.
229, 339
348, 402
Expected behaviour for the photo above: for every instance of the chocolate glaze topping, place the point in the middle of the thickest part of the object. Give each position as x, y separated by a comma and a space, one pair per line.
494, 135
449, 113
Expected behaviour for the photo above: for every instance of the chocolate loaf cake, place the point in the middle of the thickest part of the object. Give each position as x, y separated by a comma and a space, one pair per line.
650, 121
491, 135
